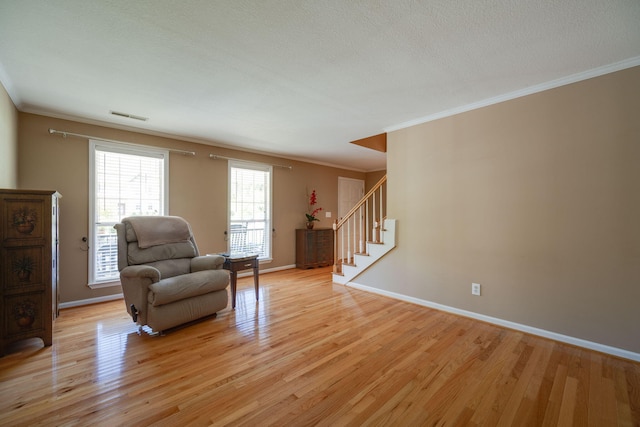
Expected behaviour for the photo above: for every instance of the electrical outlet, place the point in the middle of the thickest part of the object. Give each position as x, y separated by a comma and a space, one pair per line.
475, 289
327, 214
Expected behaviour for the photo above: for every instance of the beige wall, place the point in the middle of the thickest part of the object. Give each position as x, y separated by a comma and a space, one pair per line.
537, 199
8, 141
197, 185
372, 179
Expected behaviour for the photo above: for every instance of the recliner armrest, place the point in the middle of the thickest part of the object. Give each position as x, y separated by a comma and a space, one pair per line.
208, 262
139, 272
135, 281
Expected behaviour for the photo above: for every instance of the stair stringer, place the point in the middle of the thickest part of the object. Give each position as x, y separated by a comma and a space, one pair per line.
375, 251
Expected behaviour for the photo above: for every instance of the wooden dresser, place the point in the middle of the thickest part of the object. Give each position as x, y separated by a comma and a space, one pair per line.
314, 248
28, 265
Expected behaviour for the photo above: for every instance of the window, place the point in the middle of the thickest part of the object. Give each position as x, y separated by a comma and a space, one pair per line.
125, 180
250, 208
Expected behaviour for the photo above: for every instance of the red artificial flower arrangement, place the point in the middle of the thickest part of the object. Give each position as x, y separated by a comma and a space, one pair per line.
313, 199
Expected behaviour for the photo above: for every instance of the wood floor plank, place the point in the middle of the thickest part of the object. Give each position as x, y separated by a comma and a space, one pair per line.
309, 352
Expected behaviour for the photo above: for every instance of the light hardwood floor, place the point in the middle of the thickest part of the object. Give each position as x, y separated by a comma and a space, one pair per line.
310, 352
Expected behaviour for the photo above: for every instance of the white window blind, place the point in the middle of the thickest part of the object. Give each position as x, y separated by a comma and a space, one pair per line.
250, 209
126, 181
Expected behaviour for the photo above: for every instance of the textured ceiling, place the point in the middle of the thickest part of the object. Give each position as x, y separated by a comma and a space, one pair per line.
297, 78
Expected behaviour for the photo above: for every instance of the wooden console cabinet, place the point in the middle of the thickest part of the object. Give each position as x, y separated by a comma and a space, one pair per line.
314, 248
28, 265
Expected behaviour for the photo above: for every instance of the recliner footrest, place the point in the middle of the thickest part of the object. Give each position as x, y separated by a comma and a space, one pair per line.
187, 285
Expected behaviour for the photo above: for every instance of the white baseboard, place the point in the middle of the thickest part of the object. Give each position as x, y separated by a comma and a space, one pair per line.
614, 351
79, 303
89, 301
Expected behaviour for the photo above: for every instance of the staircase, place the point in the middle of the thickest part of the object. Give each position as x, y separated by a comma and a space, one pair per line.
363, 236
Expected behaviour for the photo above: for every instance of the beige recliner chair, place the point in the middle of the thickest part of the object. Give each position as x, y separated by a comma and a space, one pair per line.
164, 280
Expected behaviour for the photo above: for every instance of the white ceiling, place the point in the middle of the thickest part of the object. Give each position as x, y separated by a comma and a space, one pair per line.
298, 78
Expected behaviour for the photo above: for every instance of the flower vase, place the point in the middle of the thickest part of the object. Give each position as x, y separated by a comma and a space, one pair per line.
25, 322
310, 225
24, 276
26, 228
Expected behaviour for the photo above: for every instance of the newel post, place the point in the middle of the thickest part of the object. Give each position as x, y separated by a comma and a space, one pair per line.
335, 247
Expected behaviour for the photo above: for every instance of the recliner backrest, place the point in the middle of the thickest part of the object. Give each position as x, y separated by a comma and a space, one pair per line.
171, 259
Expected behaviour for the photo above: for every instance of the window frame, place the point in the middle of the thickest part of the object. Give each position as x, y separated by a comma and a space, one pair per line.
119, 148
268, 169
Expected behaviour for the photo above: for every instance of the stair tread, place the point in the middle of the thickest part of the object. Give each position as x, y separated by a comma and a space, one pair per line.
373, 250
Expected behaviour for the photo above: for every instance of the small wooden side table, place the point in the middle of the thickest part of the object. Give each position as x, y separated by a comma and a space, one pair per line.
239, 262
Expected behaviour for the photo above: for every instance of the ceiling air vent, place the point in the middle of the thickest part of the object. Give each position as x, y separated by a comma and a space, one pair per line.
129, 116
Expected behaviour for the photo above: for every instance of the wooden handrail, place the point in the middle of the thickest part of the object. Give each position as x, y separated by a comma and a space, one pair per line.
356, 224
361, 202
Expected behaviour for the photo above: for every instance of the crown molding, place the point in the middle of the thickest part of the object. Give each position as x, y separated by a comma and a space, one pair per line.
574, 78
